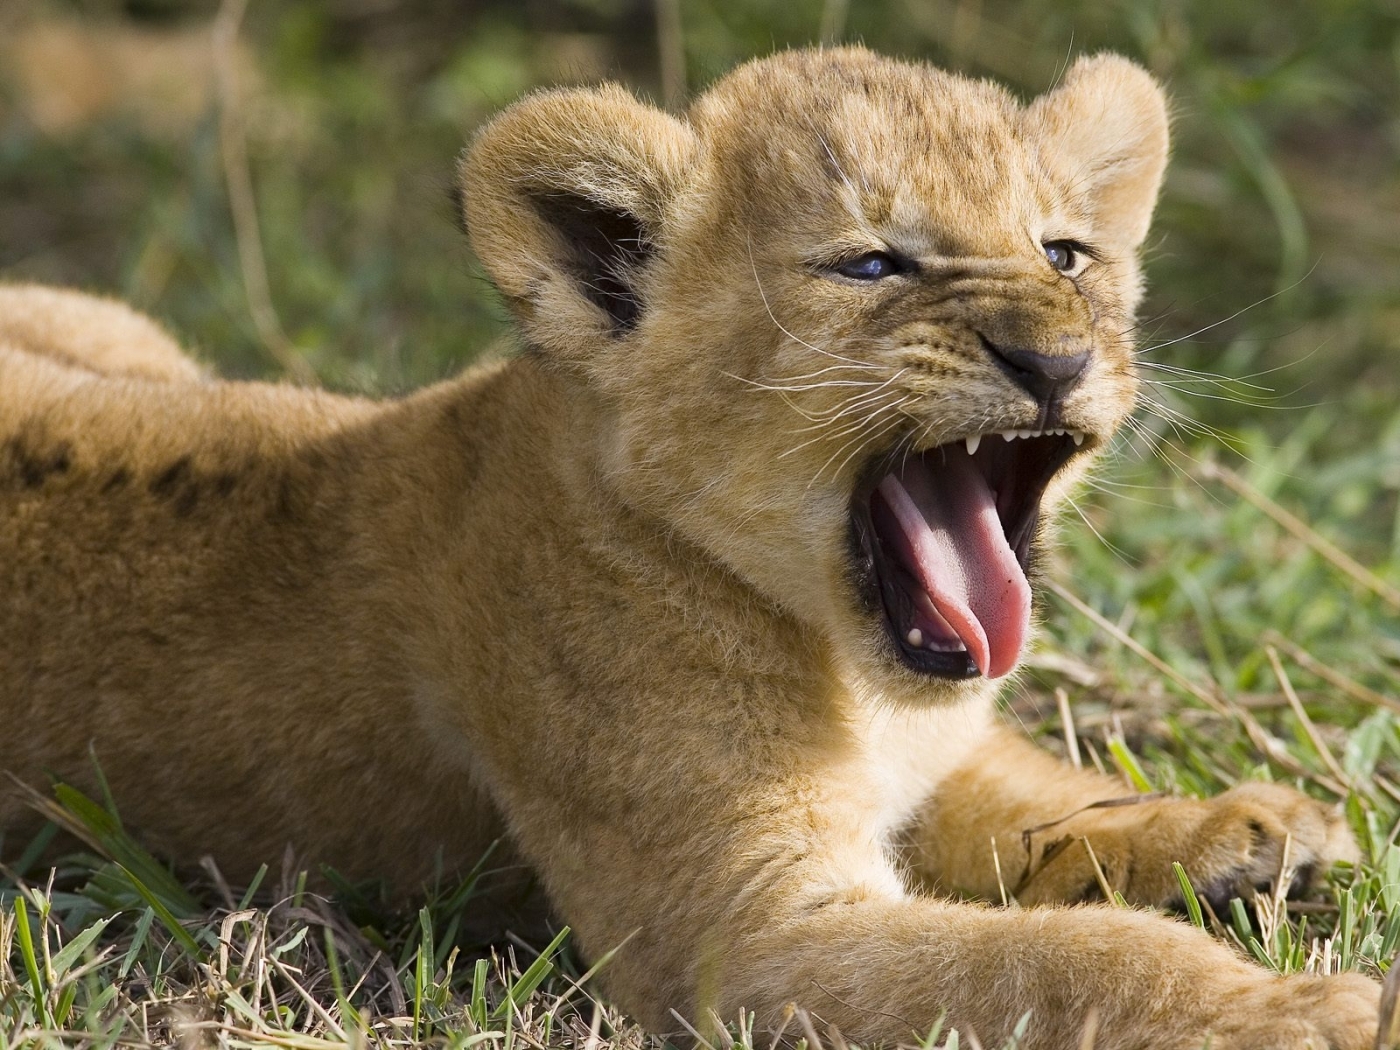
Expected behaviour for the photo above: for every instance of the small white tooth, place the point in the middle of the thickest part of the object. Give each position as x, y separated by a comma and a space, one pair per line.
915, 637
1025, 433
1078, 436
972, 443
1008, 435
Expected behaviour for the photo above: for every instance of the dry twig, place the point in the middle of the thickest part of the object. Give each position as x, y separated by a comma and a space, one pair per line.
670, 42
233, 150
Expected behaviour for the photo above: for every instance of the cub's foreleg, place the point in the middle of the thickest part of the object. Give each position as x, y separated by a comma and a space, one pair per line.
749, 887
882, 971
1050, 822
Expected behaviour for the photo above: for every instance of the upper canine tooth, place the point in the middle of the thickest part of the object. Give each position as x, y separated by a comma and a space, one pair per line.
972, 442
1078, 436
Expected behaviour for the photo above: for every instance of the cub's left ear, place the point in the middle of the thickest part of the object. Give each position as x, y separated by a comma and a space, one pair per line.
1105, 130
566, 195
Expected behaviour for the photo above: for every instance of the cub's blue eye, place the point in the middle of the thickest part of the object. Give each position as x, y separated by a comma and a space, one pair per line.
869, 267
1062, 254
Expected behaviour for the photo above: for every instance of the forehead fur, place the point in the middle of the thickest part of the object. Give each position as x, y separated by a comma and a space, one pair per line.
584, 204
897, 145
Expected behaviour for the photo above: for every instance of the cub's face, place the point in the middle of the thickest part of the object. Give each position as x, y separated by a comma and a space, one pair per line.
854, 325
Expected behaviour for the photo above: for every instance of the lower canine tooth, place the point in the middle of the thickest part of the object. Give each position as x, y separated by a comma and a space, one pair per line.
915, 637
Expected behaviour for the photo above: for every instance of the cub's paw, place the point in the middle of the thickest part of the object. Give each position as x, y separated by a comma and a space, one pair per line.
1301, 1013
1230, 846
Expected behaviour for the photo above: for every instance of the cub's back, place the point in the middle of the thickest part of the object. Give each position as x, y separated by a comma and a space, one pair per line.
186, 583
83, 331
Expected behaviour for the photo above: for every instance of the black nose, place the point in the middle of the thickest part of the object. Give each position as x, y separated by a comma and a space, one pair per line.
1046, 377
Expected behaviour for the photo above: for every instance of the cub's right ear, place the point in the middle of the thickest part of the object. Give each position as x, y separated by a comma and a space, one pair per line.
566, 195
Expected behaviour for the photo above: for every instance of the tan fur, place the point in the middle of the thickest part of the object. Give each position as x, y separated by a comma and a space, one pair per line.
597, 598
100, 335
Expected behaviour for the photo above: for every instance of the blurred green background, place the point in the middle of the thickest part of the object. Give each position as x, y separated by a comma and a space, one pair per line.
281, 202
1271, 332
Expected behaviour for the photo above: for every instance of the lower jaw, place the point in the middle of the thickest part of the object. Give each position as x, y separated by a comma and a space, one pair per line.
932, 664
950, 665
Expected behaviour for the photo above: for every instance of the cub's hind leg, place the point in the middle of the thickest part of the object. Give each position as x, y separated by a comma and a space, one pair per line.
87, 332
1052, 823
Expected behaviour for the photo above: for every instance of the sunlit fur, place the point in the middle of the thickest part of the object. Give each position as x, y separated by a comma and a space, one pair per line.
598, 600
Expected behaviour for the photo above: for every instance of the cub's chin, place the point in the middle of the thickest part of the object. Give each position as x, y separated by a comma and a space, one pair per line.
939, 544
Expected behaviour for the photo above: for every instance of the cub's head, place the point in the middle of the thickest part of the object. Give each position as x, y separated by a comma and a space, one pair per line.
851, 324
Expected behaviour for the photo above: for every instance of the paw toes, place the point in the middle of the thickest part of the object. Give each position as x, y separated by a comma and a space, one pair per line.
1259, 830
1238, 842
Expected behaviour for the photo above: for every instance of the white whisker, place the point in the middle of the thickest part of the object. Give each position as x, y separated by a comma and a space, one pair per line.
1226, 320
772, 317
861, 440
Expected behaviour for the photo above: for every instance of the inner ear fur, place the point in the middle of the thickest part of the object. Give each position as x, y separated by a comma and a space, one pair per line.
565, 197
1105, 129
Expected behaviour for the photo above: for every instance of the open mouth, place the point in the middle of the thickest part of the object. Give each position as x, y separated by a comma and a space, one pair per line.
944, 537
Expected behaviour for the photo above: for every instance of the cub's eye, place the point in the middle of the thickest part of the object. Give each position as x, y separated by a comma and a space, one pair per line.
871, 266
1063, 255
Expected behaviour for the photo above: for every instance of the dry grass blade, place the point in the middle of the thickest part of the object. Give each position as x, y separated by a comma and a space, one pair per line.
310, 1000
1206, 697
814, 1041
1258, 735
789, 1012
1067, 724
1091, 1030
1329, 674
1303, 531
1099, 874
1319, 745
1001, 882
700, 1039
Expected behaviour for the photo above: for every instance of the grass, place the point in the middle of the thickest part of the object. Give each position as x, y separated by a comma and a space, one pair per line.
1201, 628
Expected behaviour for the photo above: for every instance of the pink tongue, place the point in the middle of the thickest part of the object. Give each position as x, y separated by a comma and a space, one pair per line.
960, 556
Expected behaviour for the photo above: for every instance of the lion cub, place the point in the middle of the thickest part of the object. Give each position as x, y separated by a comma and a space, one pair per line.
702, 600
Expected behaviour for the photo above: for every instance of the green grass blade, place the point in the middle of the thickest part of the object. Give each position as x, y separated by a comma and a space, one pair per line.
349, 1015
65, 1005
1128, 763
477, 1008
138, 941
167, 919
106, 831
1188, 895
69, 954
533, 976
31, 961
253, 887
